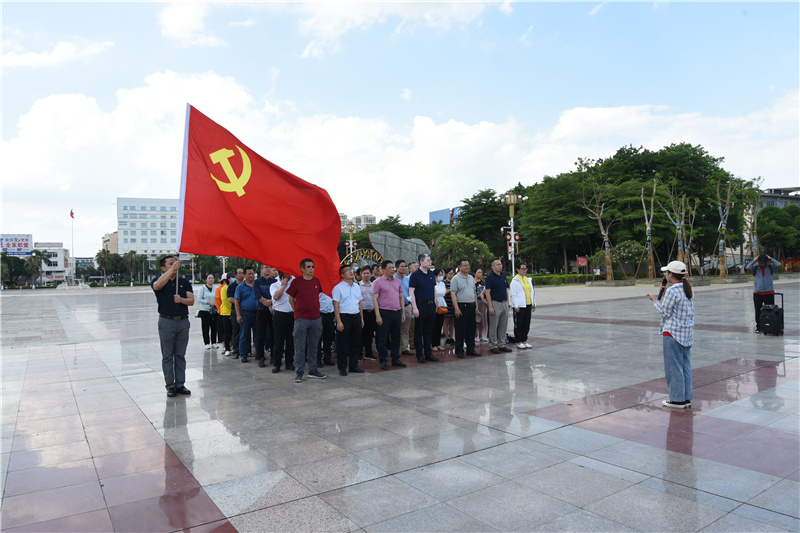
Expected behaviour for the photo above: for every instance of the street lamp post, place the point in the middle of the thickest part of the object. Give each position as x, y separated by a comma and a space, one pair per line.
512, 199
351, 244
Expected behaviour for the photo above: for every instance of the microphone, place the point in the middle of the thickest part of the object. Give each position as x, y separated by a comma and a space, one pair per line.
663, 288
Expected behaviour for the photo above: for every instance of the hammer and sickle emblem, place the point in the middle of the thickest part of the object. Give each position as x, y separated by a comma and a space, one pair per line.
235, 183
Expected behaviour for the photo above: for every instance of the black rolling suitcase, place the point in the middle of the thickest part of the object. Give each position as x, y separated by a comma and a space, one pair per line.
771, 318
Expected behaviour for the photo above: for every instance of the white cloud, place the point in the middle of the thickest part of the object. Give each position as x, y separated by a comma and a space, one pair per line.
328, 22
597, 9
185, 23
245, 23
69, 153
506, 7
61, 53
526, 37
406, 95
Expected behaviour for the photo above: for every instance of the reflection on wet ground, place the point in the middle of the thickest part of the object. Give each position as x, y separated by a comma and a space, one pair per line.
569, 435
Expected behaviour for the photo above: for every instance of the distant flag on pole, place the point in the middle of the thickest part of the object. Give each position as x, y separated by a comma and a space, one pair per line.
71, 213
235, 203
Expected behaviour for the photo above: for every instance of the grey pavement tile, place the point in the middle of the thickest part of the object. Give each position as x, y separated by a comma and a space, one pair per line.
646, 509
364, 438
748, 415
300, 516
691, 494
511, 507
612, 470
402, 455
581, 521
768, 517
415, 427
256, 492
301, 451
733, 523
713, 477
189, 450
229, 466
576, 440
377, 500
440, 517
784, 498
449, 479
517, 458
521, 424
641, 457
573, 483
194, 431
467, 439
334, 473
787, 423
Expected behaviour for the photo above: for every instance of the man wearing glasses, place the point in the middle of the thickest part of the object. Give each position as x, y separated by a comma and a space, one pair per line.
304, 299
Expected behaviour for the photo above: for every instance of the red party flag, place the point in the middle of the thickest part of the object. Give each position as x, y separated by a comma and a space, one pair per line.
71, 213
235, 203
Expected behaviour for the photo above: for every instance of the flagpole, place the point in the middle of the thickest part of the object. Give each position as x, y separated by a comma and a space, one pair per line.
73, 245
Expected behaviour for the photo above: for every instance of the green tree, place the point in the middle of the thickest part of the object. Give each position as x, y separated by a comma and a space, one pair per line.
482, 215
775, 231
103, 262
13, 267
34, 262
132, 260
448, 249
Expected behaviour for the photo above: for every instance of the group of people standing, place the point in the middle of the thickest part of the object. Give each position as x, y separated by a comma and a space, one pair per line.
389, 304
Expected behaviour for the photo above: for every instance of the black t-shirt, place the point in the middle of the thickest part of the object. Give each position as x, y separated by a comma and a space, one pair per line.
498, 285
166, 297
424, 284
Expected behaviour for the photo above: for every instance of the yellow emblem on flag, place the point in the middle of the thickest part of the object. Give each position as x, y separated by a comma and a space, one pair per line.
235, 183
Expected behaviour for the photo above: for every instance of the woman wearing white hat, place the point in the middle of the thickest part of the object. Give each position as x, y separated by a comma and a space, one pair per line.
677, 330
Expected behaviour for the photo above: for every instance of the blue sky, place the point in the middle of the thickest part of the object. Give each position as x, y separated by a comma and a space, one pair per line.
394, 108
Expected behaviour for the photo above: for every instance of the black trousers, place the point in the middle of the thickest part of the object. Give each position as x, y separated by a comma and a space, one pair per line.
283, 339
264, 329
224, 330
465, 328
326, 339
349, 338
389, 335
423, 328
235, 330
208, 323
368, 332
758, 301
522, 323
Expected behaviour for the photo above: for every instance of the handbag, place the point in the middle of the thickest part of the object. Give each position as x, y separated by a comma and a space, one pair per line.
478, 317
441, 310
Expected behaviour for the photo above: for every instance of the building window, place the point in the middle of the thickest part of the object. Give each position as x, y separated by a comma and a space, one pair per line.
142, 216
124, 215
163, 232
133, 208
172, 225
163, 208
164, 241
125, 224
163, 224
125, 241
152, 240
133, 240
152, 208
172, 208
152, 224
144, 208
124, 232
172, 240
124, 207
152, 232
173, 232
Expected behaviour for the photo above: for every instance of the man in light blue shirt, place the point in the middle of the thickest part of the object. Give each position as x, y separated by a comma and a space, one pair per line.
347, 308
406, 332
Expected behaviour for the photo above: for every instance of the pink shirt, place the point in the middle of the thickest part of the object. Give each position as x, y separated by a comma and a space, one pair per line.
387, 291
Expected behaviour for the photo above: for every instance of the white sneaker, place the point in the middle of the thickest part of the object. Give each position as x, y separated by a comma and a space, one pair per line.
522, 345
208, 346
215, 345
527, 345
484, 340
227, 352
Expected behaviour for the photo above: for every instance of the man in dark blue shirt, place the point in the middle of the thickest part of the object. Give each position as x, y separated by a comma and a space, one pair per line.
496, 296
173, 323
235, 328
422, 290
246, 309
264, 314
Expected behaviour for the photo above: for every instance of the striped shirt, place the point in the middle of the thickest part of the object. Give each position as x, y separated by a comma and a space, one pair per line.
677, 315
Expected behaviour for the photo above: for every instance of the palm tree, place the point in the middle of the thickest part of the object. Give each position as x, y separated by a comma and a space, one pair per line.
34, 264
102, 258
132, 259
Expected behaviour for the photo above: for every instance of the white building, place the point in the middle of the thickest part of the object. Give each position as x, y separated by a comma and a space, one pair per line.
360, 221
148, 226
61, 267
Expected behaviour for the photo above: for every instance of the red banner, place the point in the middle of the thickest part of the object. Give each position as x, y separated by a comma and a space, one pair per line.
235, 203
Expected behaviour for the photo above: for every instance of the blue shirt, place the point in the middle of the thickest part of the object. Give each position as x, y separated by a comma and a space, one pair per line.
166, 297
424, 285
677, 315
348, 297
325, 303
247, 297
498, 284
404, 284
262, 289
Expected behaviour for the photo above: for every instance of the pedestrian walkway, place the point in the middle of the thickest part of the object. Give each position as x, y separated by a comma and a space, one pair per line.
567, 436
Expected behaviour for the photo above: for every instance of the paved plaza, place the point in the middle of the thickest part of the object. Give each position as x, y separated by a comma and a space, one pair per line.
567, 436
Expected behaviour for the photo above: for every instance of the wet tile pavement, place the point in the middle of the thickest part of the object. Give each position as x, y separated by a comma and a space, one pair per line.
567, 436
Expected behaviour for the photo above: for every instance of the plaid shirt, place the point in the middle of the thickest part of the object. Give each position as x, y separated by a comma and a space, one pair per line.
677, 315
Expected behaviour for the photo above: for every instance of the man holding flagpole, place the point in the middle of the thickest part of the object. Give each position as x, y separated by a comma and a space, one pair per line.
174, 295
